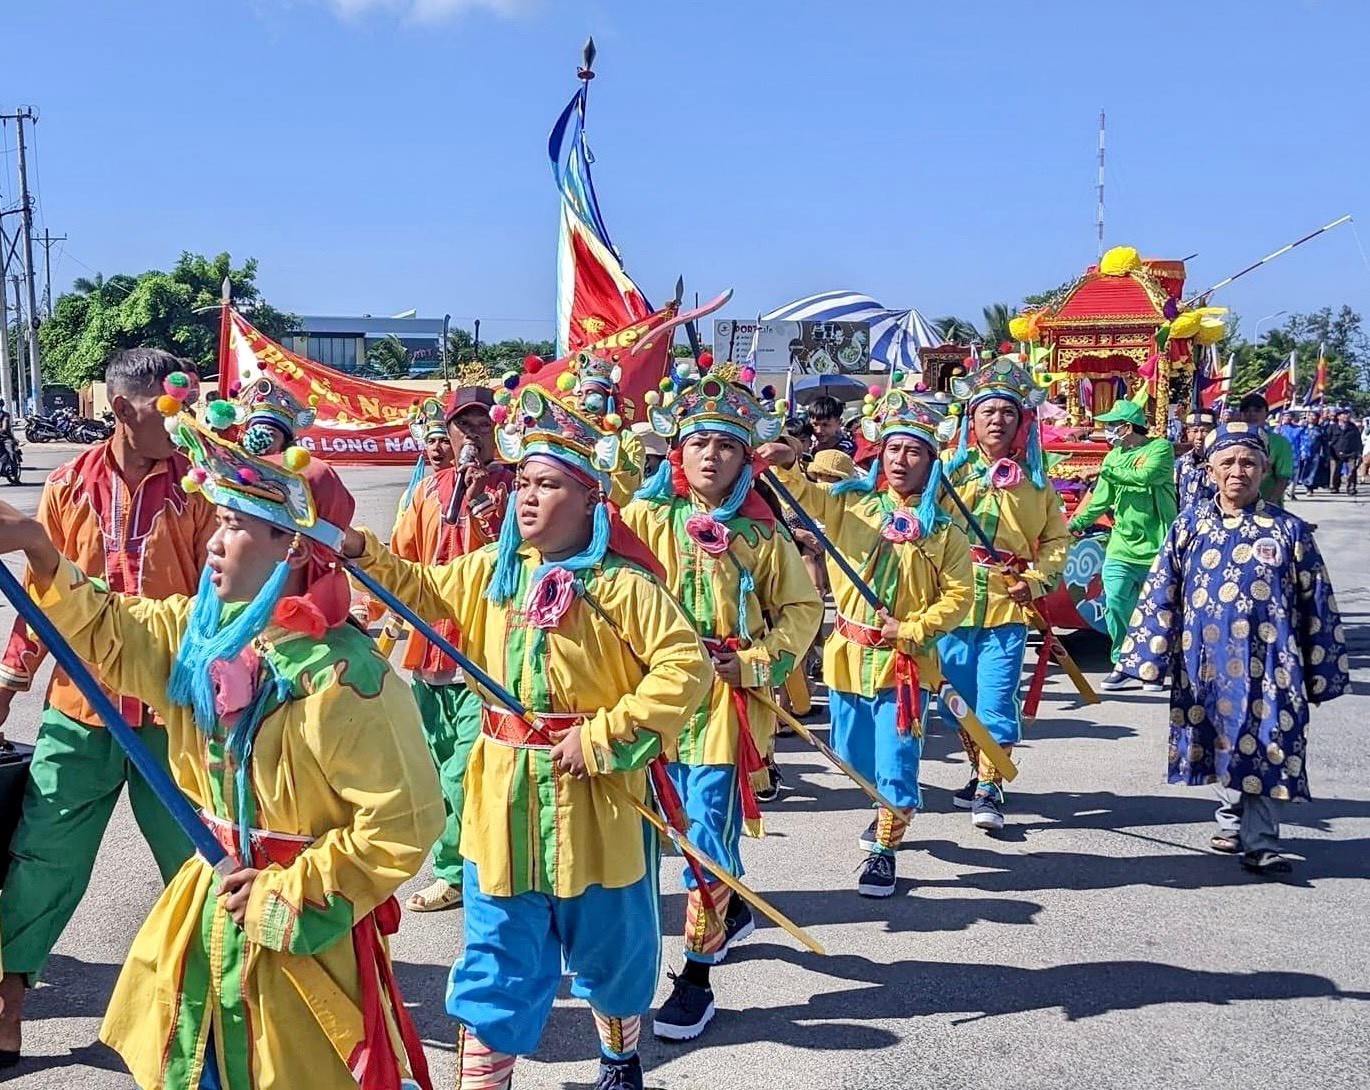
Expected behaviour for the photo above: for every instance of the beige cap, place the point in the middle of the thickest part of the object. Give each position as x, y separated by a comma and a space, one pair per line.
652, 443
832, 463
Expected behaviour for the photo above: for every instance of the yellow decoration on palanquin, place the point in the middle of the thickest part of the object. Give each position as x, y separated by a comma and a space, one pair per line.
1211, 330
1120, 261
1018, 328
1185, 326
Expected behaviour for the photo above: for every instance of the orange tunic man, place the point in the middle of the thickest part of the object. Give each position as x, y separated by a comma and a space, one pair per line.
119, 512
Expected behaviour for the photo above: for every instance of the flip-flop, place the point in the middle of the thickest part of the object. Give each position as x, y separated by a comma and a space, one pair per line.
436, 898
1265, 863
1228, 844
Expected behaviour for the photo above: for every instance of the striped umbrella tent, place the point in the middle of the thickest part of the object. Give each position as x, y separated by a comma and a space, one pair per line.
896, 335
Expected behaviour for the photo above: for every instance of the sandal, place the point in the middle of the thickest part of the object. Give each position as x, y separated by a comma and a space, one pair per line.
1266, 862
1227, 843
435, 898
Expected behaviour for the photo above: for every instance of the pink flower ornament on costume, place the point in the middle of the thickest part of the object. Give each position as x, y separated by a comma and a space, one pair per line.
708, 533
550, 598
901, 526
1005, 474
235, 684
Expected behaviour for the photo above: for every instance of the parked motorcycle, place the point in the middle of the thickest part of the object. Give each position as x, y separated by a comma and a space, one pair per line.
11, 460
41, 428
87, 430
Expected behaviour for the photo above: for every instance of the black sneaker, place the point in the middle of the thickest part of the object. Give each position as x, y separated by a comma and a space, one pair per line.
772, 791
966, 795
986, 812
867, 841
620, 1074
1117, 680
877, 876
738, 924
685, 1014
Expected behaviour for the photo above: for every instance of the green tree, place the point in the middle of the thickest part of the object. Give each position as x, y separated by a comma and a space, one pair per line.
956, 330
996, 317
1043, 298
388, 357
176, 311
1340, 337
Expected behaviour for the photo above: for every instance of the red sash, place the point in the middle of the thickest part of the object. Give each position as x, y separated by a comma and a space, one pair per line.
980, 555
748, 758
908, 688
373, 1063
508, 729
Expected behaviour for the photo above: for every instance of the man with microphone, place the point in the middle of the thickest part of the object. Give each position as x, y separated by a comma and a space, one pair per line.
456, 511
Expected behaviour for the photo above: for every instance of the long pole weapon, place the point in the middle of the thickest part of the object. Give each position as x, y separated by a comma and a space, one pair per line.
1054, 646
617, 790
168, 794
1268, 257
952, 701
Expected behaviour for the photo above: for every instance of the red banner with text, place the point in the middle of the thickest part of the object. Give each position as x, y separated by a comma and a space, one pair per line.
358, 422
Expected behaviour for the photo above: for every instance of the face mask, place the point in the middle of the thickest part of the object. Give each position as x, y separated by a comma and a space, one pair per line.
1113, 436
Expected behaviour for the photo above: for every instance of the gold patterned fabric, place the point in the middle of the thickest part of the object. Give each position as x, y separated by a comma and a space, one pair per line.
1239, 612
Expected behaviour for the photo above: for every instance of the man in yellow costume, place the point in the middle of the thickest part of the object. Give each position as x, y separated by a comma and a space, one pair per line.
303, 750
734, 568
997, 468
564, 612
881, 666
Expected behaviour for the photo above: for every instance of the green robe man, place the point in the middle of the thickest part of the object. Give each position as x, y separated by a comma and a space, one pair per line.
1136, 486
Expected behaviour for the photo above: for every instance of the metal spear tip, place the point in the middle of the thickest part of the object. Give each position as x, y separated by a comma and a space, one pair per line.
587, 60
679, 288
226, 290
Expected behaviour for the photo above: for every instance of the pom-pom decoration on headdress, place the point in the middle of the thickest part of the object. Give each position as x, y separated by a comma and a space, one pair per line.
715, 402
427, 420
232, 477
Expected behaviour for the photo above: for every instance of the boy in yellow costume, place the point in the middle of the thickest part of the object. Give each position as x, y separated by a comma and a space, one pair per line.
881, 666
564, 612
304, 751
735, 570
998, 470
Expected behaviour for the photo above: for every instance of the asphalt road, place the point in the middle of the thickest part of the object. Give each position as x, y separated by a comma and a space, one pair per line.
1094, 944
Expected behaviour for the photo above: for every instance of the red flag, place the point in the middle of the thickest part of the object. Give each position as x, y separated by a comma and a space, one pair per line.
1278, 389
595, 295
1320, 379
358, 422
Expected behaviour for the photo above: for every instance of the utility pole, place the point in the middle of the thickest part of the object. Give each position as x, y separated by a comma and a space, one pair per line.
22, 114
19, 371
6, 383
48, 239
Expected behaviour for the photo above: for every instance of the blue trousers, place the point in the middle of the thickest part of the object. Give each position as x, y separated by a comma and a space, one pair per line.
985, 666
714, 807
866, 735
503, 987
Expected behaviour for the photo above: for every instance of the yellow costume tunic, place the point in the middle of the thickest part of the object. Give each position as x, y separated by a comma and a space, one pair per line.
637, 676
1026, 524
783, 615
341, 764
926, 584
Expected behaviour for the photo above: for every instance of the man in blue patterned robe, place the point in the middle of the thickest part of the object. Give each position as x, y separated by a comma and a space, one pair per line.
1239, 611
1193, 482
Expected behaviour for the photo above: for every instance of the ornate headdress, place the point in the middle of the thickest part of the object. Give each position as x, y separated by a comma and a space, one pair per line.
264, 404
1008, 379
698, 398
428, 420
290, 491
231, 477
920, 416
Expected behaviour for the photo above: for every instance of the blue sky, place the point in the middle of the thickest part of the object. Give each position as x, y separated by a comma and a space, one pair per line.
376, 155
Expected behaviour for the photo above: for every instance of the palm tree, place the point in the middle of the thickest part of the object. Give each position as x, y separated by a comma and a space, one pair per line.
997, 316
85, 286
956, 330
